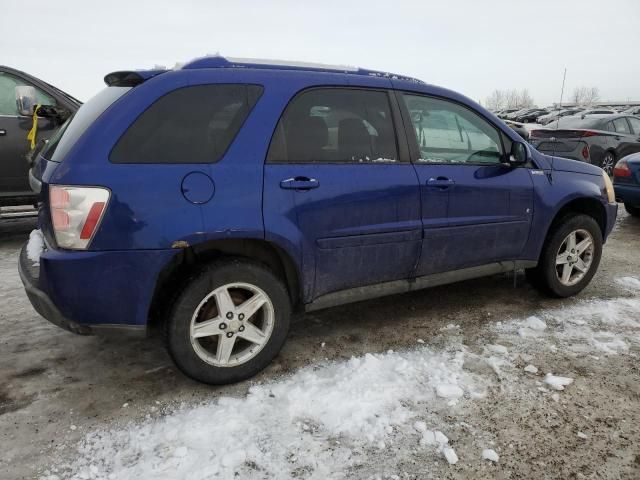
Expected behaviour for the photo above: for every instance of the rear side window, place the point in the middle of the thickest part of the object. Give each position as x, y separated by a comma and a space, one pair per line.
65, 138
189, 125
335, 125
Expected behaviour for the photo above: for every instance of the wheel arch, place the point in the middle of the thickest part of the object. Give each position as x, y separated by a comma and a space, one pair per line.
183, 266
581, 205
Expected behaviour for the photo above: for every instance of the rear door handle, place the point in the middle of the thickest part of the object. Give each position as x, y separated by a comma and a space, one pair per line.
3, 132
299, 183
440, 182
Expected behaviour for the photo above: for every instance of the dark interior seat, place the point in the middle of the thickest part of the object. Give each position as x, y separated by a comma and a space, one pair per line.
306, 138
354, 141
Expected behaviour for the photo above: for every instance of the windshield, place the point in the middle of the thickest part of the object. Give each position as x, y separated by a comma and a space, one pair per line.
69, 133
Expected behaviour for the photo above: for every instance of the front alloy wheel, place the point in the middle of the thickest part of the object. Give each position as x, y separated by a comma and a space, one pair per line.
574, 257
569, 257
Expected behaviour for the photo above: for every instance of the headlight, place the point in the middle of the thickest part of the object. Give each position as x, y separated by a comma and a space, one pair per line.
608, 185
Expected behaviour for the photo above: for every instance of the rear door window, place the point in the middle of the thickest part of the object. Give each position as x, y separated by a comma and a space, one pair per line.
621, 126
635, 124
335, 125
190, 125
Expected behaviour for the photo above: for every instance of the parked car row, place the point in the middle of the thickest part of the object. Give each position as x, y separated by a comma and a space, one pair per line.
598, 139
547, 115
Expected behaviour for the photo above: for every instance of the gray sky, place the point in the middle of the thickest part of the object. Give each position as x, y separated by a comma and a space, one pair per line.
470, 46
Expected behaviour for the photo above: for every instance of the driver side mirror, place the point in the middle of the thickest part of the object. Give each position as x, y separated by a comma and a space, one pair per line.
26, 100
518, 154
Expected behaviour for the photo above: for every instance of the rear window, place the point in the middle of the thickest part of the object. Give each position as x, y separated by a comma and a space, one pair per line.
189, 125
578, 122
69, 133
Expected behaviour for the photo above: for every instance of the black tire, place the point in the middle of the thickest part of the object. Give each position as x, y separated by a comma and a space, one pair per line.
211, 277
607, 162
545, 276
633, 211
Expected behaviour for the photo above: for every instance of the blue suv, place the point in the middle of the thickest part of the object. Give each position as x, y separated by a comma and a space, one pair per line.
216, 199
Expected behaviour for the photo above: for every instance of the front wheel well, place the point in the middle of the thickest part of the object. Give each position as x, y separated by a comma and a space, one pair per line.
174, 276
585, 206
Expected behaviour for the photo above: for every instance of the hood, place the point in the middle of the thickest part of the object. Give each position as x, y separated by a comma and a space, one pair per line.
565, 165
633, 158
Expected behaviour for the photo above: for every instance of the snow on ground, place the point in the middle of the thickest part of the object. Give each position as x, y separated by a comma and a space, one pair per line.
35, 246
329, 419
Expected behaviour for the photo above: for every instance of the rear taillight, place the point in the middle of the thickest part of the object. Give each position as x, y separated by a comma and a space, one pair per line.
622, 169
585, 152
76, 213
533, 133
589, 133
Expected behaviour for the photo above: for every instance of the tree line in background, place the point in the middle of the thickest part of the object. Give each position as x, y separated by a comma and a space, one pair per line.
501, 99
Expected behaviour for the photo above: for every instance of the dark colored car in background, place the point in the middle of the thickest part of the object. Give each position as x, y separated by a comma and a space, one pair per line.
16, 124
598, 139
626, 181
531, 116
632, 111
507, 111
553, 116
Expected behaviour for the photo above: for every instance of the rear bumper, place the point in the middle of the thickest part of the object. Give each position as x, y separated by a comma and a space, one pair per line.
629, 194
94, 292
29, 274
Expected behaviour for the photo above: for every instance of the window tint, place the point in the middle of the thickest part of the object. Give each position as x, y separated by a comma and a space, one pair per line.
449, 133
8, 83
621, 125
68, 134
335, 125
190, 125
635, 124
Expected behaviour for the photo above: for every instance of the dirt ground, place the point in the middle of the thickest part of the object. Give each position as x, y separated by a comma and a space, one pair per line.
56, 386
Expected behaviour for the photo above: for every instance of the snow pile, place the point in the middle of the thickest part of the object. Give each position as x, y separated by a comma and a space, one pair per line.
322, 420
35, 247
631, 283
557, 383
331, 420
489, 454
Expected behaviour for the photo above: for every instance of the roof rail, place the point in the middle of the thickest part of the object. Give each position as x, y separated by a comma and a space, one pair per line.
218, 61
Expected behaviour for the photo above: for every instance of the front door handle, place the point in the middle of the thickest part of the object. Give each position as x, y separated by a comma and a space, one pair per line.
3, 132
440, 182
299, 183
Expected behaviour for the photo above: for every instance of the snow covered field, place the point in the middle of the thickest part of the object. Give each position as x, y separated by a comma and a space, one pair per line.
474, 381
333, 419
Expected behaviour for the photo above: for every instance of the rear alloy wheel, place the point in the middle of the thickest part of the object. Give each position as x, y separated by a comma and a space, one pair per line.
229, 323
608, 162
633, 211
570, 257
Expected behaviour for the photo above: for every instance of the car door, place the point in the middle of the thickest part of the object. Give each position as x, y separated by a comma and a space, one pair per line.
475, 209
628, 135
14, 128
334, 174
